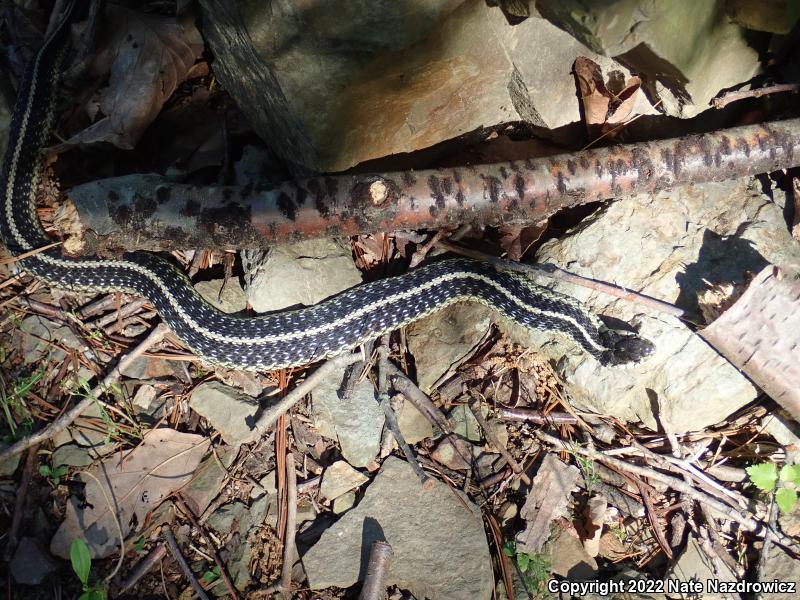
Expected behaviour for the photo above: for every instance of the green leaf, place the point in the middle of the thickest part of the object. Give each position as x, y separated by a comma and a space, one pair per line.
97, 594
60, 471
763, 476
44, 470
81, 560
791, 474
785, 499
138, 546
509, 549
523, 560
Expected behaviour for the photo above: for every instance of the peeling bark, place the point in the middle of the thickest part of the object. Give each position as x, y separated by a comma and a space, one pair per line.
149, 212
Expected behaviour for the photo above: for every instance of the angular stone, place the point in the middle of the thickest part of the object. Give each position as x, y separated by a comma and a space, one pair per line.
229, 411
303, 273
419, 524
444, 337
233, 298
71, 455
355, 422
413, 424
31, 564
339, 478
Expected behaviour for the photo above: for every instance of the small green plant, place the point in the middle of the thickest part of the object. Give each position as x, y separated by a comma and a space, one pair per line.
54, 474
211, 575
138, 546
534, 569
589, 471
84, 390
82, 565
765, 476
15, 400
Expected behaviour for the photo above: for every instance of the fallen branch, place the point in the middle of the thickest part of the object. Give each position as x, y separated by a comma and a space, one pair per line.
374, 587
142, 568
159, 214
291, 527
723, 101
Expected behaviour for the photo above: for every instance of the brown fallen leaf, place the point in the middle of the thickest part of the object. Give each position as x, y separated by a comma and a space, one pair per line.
517, 239
134, 485
147, 57
605, 104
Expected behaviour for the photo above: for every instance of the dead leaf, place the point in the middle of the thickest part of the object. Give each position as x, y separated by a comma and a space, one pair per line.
517, 239
135, 485
147, 56
605, 104
547, 500
796, 218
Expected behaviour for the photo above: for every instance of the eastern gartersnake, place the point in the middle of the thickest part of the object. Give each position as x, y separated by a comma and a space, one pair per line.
270, 341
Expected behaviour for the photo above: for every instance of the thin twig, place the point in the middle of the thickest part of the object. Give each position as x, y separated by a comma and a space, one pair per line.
391, 418
756, 93
418, 398
67, 418
184, 566
19, 503
746, 522
555, 272
374, 587
475, 407
220, 565
537, 417
291, 527
274, 412
142, 568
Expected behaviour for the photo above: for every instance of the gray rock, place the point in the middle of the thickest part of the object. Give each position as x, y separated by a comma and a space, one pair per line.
419, 524
665, 245
339, 478
654, 37
779, 565
31, 564
37, 331
443, 338
71, 455
301, 273
234, 516
334, 63
89, 430
356, 422
229, 411
232, 300
413, 424
695, 565
205, 485
344, 503
146, 400
268, 484
8, 467
570, 560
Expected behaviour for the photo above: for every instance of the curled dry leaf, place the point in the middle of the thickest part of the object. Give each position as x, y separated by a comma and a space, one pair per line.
147, 57
605, 104
134, 484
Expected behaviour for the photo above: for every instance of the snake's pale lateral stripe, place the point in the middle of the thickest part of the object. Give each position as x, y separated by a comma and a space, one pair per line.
269, 341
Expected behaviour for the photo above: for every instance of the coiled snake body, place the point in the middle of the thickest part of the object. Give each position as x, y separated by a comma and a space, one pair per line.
285, 339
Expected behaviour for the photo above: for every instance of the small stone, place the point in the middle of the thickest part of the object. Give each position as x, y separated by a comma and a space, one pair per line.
454, 453
208, 477
233, 298
465, 424
444, 337
9, 466
413, 424
31, 564
37, 331
88, 431
339, 478
305, 273
356, 422
229, 411
268, 486
570, 560
344, 503
71, 455
230, 517
144, 400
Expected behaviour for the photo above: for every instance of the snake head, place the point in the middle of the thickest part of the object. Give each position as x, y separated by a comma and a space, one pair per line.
624, 348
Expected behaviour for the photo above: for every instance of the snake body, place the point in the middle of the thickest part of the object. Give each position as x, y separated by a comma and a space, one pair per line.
280, 340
